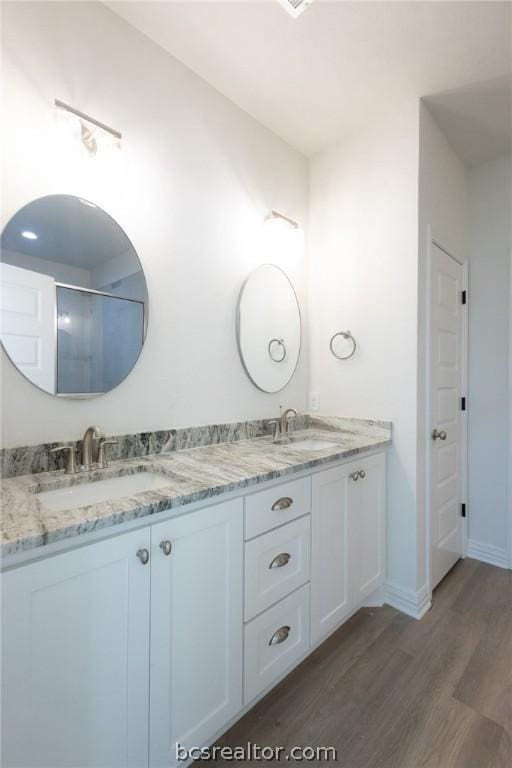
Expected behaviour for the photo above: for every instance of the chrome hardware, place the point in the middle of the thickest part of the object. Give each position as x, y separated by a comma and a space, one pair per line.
441, 434
281, 426
346, 335
281, 348
279, 636
354, 476
288, 415
166, 547
143, 555
70, 467
280, 560
102, 457
284, 503
276, 427
362, 474
89, 453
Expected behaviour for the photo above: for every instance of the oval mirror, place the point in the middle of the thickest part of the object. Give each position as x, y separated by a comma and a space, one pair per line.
269, 328
73, 308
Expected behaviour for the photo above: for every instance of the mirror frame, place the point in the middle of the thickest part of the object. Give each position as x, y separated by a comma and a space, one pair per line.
238, 328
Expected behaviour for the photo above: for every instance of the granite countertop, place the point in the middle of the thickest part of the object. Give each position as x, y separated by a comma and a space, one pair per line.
194, 474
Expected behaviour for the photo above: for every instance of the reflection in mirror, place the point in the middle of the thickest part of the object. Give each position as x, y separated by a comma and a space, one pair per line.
269, 328
73, 307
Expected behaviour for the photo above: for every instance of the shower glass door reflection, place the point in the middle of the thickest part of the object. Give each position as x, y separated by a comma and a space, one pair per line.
99, 338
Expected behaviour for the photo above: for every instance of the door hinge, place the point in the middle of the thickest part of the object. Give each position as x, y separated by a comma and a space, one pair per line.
463, 403
464, 297
463, 510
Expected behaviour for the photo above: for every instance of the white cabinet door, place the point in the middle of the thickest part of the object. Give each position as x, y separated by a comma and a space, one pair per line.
196, 628
366, 501
75, 677
330, 596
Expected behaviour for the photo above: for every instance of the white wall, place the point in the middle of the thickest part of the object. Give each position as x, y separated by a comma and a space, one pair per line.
363, 250
442, 213
490, 209
194, 180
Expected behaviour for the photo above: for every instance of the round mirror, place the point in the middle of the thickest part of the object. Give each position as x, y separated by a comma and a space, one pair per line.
269, 328
73, 307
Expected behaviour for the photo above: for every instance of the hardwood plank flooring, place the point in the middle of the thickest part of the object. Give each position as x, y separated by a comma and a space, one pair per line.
387, 691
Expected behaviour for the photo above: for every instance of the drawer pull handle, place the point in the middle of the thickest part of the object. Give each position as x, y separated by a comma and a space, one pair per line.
283, 503
354, 475
362, 474
280, 560
279, 636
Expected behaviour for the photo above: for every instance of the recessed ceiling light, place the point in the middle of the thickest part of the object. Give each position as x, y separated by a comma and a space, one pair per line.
29, 235
295, 7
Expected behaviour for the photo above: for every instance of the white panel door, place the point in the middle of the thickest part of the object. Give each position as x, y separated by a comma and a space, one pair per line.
28, 323
446, 376
75, 646
196, 628
330, 594
366, 526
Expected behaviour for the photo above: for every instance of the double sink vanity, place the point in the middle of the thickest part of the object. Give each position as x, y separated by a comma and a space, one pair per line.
156, 585
151, 602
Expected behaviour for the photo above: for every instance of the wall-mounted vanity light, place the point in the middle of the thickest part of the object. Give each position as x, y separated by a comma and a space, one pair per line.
283, 239
94, 134
277, 215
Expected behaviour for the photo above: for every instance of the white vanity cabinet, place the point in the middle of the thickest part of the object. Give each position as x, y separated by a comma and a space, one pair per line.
115, 651
347, 540
196, 628
75, 651
89, 633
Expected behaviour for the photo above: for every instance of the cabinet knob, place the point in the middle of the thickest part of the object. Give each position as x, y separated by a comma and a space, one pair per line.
362, 474
284, 503
354, 476
279, 636
166, 547
143, 555
280, 560
441, 434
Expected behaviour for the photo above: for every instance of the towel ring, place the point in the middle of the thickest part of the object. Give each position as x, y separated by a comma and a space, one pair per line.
282, 347
346, 335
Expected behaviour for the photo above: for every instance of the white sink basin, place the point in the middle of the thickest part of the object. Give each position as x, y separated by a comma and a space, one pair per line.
310, 444
102, 490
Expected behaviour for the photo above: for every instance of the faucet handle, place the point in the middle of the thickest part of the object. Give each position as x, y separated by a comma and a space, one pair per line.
70, 467
102, 458
275, 424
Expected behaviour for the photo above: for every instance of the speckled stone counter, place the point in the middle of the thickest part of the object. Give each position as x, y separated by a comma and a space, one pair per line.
194, 475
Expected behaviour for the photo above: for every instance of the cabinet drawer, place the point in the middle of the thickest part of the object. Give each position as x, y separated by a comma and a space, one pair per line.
276, 564
275, 641
268, 509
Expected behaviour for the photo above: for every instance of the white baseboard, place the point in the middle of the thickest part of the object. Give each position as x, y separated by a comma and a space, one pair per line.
414, 604
376, 599
487, 553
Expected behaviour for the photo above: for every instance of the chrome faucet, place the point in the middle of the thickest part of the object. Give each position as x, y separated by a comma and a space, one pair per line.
90, 448
281, 426
93, 455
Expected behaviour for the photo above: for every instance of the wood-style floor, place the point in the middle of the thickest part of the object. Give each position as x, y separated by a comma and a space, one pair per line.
389, 691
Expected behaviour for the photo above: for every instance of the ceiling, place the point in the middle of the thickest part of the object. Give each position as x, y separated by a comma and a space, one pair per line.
476, 119
318, 78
